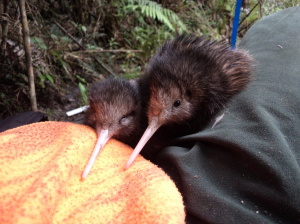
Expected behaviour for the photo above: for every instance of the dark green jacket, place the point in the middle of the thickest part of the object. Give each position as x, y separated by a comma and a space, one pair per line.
247, 168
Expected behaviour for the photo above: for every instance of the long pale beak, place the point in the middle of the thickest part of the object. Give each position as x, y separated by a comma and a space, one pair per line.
101, 141
151, 129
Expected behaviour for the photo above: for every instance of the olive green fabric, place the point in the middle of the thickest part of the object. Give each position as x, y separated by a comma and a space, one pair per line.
246, 169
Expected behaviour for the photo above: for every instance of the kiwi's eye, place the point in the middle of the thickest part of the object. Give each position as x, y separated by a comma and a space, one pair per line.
177, 103
125, 119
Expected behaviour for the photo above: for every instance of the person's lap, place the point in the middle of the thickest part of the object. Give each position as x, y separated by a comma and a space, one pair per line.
246, 169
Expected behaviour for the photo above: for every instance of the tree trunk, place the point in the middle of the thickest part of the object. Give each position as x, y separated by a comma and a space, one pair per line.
29, 67
4, 25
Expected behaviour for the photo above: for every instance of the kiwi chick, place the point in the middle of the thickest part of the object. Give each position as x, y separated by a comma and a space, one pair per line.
114, 112
187, 82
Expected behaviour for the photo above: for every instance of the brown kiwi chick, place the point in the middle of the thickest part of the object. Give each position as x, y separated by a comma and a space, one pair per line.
185, 84
114, 112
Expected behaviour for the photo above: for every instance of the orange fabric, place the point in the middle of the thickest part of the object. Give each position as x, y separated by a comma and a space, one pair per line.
40, 180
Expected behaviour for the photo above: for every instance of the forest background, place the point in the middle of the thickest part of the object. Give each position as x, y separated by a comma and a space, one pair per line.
76, 43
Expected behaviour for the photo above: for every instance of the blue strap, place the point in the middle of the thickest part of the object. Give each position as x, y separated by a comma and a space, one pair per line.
235, 25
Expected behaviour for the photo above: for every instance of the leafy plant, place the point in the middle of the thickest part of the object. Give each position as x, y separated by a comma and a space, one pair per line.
38, 42
83, 92
81, 28
44, 77
113, 26
154, 10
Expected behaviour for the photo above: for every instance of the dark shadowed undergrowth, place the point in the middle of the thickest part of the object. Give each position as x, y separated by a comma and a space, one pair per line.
76, 43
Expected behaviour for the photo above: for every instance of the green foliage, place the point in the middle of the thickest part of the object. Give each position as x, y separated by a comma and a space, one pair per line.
144, 25
45, 77
154, 10
83, 93
112, 26
272, 6
113, 43
39, 42
211, 19
130, 70
81, 28
82, 88
82, 80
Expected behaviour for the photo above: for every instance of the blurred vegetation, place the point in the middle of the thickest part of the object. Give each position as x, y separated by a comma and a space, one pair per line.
75, 43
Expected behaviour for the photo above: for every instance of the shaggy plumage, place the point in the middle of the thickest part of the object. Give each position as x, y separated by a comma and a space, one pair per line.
114, 112
115, 106
185, 84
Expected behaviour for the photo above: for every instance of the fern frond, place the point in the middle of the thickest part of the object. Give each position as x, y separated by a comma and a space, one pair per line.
154, 10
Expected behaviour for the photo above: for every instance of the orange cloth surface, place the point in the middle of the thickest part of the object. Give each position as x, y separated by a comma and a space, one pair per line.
40, 180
